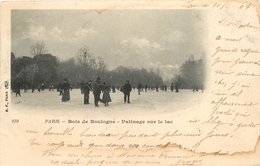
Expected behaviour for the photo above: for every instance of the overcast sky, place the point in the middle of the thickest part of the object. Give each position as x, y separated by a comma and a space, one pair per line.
161, 39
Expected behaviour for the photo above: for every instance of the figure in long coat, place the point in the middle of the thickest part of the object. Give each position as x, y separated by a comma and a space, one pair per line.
33, 87
177, 87
97, 91
66, 91
140, 87
172, 87
127, 88
86, 89
18, 88
82, 85
106, 96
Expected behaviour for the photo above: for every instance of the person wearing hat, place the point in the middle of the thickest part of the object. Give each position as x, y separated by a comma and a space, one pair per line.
97, 91
126, 90
66, 91
86, 89
139, 87
106, 96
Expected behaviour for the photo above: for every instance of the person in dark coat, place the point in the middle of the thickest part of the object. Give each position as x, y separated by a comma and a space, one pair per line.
25, 88
42, 87
18, 88
165, 88
177, 87
172, 87
127, 89
113, 88
33, 87
39, 88
66, 91
86, 89
82, 85
97, 87
139, 87
145, 88
106, 96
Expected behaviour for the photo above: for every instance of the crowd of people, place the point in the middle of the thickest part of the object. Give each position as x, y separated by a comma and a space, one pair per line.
98, 88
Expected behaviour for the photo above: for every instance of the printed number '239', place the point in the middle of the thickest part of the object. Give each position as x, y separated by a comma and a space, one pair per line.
15, 120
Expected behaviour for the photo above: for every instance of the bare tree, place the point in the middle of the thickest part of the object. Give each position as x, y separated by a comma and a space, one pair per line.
86, 59
84, 56
38, 49
101, 65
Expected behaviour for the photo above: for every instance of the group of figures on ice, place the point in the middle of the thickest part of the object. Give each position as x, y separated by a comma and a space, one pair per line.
97, 88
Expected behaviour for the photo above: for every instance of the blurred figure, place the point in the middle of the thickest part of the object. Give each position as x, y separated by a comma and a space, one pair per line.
59, 89
66, 91
113, 88
18, 88
82, 87
177, 87
25, 88
202, 87
97, 91
33, 87
42, 87
172, 87
106, 96
139, 87
165, 88
39, 88
86, 89
127, 88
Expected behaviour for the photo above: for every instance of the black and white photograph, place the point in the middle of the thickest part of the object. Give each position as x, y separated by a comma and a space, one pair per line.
122, 59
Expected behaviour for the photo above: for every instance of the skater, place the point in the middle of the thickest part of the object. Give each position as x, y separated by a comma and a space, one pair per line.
97, 91
25, 87
50, 87
82, 87
165, 88
33, 87
42, 87
139, 87
172, 87
177, 88
66, 92
18, 88
127, 89
86, 89
106, 96
113, 88
39, 88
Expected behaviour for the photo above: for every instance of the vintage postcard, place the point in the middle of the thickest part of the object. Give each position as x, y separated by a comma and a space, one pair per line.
122, 83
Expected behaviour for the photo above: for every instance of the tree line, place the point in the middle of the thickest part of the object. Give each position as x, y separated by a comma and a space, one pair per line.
44, 68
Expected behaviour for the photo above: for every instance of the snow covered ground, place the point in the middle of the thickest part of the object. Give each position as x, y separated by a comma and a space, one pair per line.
148, 103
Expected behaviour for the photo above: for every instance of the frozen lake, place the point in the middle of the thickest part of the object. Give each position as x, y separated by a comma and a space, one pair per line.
150, 102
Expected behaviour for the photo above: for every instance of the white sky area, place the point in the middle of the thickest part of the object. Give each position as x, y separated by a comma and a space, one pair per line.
161, 39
